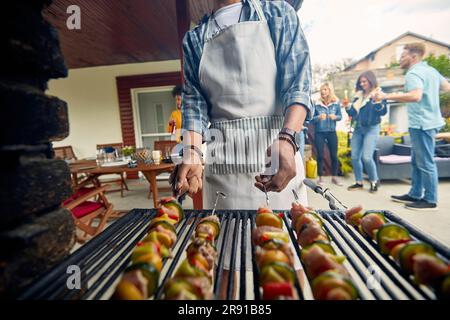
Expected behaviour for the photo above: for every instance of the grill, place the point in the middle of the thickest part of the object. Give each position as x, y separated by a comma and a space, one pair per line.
103, 259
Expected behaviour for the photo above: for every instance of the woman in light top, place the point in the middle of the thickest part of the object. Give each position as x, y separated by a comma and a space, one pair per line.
367, 113
327, 113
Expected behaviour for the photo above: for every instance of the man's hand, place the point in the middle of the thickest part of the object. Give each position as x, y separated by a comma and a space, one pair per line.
345, 102
333, 117
188, 176
323, 116
379, 95
286, 170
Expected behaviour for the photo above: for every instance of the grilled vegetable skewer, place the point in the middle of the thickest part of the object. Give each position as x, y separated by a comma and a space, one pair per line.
194, 277
274, 257
415, 258
140, 279
328, 277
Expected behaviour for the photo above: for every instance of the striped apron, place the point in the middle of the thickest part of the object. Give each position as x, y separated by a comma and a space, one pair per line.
238, 74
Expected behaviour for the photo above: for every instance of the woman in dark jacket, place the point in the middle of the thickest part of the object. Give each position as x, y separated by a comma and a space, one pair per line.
327, 113
366, 112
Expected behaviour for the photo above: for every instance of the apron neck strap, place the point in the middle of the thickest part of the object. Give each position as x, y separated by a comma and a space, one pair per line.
256, 5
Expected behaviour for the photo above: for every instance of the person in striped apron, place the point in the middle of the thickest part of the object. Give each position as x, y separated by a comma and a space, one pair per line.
247, 73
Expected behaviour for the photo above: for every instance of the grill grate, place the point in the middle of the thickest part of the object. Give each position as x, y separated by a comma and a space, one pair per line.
103, 259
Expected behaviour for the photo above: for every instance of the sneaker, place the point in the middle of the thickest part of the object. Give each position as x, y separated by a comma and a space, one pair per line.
336, 182
421, 205
403, 199
356, 186
373, 187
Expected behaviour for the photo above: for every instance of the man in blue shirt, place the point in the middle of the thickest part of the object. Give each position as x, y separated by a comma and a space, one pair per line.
422, 95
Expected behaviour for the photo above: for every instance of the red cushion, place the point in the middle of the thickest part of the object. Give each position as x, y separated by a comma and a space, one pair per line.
77, 194
85, 208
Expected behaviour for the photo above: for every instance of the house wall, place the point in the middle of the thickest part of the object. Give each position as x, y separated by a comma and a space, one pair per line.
386, 55
91, 95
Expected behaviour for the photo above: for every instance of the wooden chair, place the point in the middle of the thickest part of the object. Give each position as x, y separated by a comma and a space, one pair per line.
165, 146
90, 210
122, 183
64, 153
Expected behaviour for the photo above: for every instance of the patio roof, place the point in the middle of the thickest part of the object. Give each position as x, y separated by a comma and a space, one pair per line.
117, 32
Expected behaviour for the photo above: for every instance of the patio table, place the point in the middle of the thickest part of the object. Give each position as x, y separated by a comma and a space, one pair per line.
150, 171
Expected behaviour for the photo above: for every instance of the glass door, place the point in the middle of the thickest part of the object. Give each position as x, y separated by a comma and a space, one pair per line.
152, 109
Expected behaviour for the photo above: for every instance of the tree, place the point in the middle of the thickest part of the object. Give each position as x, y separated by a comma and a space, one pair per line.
442, 64
323, 72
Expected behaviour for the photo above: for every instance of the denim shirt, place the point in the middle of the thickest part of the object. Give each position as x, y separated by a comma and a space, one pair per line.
369, 114
327, 124
292, 59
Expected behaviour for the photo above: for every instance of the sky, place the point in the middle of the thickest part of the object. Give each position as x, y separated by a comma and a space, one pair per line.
338, 29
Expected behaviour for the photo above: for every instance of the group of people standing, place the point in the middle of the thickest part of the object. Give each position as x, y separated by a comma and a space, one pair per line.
422, 86
366, 113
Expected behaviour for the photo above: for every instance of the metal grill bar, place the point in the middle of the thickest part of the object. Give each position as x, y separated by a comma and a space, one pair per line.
111, 252
55, 278
242, 278
111, 268
233, 257
104, 258
218, 272
364, 277
363, 259
255, 267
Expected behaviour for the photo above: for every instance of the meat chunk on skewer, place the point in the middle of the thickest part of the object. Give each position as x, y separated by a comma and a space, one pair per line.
310, 233
317, 261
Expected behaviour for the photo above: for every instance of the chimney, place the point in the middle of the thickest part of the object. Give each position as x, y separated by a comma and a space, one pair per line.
35, 232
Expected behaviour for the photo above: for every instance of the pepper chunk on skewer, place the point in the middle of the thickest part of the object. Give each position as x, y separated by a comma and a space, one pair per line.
266, 217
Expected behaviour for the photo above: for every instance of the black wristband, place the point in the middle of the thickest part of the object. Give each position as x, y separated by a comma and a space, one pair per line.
288, 139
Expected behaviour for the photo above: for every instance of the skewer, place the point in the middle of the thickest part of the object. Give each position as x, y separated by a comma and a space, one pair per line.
218, 193
297, 198
267, 197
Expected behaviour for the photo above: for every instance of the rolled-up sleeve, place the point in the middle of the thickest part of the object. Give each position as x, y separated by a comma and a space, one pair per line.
294, 65
194, 107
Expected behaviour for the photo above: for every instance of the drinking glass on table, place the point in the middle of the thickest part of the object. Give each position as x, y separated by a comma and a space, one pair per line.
118, 154
100, 157
156, 156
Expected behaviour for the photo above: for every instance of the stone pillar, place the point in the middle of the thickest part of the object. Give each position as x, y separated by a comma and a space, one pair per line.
35, 232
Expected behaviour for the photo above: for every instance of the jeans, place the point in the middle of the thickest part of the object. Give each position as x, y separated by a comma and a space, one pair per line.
364, 141
424, 171
330, 138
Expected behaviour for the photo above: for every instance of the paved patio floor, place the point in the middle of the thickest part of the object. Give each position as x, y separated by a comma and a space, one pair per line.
434, 223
